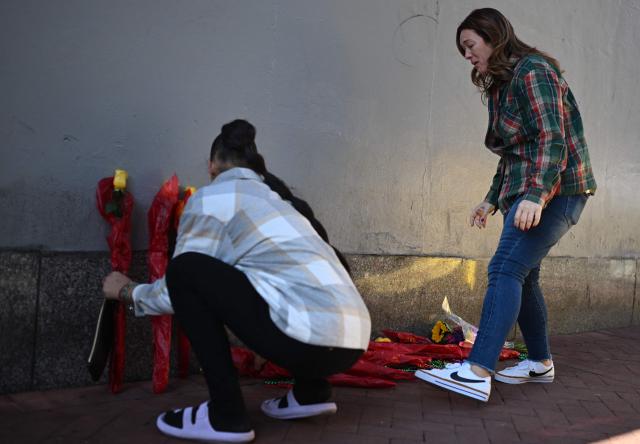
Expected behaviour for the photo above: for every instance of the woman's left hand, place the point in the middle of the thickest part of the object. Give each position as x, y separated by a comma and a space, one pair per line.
113, 283
528, 215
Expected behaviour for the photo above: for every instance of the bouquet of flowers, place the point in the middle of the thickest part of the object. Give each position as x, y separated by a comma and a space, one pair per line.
160, 219
442, 333
115, 205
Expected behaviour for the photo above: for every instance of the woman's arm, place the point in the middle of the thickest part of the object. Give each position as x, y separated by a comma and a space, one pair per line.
489, 205
494, 191
199, 231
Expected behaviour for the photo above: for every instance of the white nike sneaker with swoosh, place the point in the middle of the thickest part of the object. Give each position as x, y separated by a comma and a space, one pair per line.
460, 379
526, 371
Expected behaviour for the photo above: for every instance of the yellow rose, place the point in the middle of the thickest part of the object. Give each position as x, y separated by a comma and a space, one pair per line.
120, 180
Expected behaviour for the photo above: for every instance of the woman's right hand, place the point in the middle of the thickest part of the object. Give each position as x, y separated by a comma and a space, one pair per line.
480, 213
113, 283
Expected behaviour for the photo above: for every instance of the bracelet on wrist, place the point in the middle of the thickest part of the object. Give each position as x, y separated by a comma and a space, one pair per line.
125, 294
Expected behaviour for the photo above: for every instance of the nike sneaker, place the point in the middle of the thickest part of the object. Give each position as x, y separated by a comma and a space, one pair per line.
526, 371
460, 379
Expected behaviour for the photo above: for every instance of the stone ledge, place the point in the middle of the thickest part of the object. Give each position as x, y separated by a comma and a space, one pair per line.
582, 294
19, 300
51, 301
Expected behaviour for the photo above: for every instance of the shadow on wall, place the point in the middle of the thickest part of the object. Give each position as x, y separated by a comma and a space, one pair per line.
406, 293
583, 294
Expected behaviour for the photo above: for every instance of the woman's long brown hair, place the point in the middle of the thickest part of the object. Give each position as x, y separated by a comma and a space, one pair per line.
496, 30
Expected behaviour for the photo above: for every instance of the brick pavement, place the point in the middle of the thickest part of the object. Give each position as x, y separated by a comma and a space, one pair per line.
595, 398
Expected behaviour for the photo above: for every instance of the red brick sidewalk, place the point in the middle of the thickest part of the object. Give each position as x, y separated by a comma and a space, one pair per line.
596, 396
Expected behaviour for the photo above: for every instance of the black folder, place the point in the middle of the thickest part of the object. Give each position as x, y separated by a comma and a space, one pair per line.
102, 339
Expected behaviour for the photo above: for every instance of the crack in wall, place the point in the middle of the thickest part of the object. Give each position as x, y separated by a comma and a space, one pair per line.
428, 129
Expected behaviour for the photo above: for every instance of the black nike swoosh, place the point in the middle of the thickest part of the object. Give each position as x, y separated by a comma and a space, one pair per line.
534, 374
194, 410
456, 377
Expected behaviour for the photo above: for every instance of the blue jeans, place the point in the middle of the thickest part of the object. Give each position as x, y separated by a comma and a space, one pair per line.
513, 290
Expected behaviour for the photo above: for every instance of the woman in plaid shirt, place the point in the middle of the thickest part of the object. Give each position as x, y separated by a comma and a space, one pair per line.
541, 185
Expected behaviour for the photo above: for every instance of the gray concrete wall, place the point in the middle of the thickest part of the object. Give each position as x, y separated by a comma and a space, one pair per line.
363, 106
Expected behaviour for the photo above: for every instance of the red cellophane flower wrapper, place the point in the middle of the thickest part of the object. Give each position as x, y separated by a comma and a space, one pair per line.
433, 351
119, 240
365, 368
405, 337
375, 368
505, 353
160, 219
184, 347
244, 361
388, 357
271, 371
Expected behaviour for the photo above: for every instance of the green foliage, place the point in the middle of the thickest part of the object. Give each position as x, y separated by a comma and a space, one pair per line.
114, 206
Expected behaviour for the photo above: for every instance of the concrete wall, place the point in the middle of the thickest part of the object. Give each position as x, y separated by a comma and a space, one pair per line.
363, 106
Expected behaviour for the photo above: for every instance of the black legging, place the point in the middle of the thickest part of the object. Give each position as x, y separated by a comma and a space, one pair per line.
207, 295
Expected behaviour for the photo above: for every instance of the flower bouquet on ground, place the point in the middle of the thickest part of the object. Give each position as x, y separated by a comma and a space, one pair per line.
442, 333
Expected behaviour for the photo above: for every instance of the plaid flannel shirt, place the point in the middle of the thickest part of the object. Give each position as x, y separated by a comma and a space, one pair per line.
536, 129
239, 220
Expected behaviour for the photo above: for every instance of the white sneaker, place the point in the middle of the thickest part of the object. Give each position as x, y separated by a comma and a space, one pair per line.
460, 379
288, 408
193, 423
526, 371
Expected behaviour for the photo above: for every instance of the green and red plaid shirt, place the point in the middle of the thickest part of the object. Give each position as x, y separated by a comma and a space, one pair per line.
536, 129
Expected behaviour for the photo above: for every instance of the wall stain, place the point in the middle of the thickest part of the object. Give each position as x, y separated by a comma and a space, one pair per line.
25, 125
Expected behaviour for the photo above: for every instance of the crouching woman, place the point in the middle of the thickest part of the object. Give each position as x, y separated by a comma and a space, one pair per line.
247, 260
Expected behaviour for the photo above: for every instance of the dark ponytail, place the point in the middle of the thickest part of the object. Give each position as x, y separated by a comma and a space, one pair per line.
276, 184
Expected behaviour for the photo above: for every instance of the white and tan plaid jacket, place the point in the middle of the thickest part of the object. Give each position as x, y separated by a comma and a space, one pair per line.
240, 221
